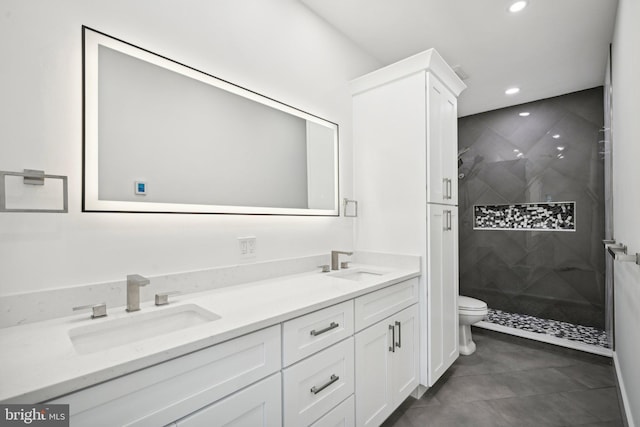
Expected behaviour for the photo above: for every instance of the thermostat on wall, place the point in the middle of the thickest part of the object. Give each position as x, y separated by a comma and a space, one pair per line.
141, 188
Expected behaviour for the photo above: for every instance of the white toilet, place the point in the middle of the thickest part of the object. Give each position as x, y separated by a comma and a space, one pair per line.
470, 311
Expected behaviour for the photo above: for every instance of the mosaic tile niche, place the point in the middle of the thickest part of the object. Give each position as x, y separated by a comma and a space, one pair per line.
528, 216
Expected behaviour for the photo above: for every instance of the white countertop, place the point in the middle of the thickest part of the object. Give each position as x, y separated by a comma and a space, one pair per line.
39, 362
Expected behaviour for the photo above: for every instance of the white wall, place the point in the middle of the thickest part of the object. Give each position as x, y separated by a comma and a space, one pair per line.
626, 197
277, 48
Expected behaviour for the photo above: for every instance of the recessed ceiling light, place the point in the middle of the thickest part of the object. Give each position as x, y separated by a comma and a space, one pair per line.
524, 114
560, 148
517, 6
556, 136
520, 155
515, 150
512, 90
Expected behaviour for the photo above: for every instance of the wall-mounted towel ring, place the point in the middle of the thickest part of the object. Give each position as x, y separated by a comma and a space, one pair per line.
33, 177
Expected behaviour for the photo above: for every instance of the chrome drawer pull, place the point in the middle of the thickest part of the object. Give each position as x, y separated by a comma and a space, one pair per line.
318, 389
399, 343
333, 325
392, 347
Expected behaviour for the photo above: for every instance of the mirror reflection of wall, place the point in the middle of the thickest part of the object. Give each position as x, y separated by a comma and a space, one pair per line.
194, 143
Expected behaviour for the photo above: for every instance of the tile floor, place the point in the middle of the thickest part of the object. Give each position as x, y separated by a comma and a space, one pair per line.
515, 382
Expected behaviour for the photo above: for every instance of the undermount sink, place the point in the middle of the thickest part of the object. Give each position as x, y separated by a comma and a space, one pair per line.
137, 327
356, 274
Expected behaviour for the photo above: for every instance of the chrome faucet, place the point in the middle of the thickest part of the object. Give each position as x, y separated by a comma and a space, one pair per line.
134, 281
335, 258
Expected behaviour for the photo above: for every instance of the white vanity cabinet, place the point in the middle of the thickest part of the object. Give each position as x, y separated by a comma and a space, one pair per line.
257, 406
405, 162
386, 350
311, 370
166, 392
386, 366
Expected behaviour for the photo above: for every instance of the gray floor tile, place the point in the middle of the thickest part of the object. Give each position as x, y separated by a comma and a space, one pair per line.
613, 423
539, 381
592, 375
514, 382
531, 359
477, 364
469, 414
601, 403
472, 388
542, 410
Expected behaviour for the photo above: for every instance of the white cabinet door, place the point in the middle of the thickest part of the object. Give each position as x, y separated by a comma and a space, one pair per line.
257, 406
387, 366
405, 360
373, 374
442, 143
442, 289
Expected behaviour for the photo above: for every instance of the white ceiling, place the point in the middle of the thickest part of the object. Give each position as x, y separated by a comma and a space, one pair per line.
550, 48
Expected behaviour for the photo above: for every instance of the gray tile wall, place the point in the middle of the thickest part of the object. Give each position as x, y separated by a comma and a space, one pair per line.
515, 159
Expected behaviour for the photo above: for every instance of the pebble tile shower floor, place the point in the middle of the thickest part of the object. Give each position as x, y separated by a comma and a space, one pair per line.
585, 334
515, 382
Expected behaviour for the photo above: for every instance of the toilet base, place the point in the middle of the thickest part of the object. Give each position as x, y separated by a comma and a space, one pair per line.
467, 346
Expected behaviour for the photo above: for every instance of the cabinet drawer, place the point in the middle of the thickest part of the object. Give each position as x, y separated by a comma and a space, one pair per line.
340, 416
257, 406
166, 392
378, 305
315, 385
305, 335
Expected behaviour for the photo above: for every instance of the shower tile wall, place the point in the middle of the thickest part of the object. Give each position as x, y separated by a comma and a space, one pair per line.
551, 155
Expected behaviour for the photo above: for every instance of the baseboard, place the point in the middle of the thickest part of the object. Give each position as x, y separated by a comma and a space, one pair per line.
623, 393
549, 339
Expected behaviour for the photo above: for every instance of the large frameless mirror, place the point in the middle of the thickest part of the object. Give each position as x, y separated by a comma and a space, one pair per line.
160, 136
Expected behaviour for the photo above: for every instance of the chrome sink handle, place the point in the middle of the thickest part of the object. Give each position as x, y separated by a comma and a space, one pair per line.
162, 298
97, 310
325, 268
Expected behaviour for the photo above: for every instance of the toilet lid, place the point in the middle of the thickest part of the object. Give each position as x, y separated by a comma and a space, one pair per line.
471, 304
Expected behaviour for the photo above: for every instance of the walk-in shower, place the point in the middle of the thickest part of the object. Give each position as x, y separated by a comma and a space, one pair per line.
531, 200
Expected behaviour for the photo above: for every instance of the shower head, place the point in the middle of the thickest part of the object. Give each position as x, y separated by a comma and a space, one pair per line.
462, 151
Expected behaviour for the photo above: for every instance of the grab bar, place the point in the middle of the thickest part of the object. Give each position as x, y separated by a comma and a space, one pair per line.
619, 252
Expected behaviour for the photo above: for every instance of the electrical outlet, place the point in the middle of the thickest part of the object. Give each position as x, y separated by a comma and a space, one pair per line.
247, 247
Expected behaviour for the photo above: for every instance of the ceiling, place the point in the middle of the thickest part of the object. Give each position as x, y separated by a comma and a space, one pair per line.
550, 48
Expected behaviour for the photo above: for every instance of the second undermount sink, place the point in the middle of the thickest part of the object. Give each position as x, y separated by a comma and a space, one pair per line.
109, 333
356, 274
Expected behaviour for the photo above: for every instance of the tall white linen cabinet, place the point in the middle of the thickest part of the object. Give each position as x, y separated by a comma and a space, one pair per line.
406, 184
